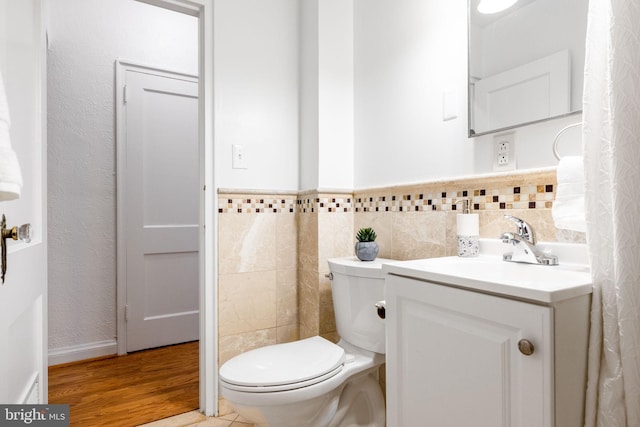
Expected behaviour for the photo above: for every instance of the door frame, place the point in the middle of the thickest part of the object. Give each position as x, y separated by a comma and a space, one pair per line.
203, 10
122, 67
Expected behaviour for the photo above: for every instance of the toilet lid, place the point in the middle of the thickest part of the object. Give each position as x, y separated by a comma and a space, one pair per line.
284, 364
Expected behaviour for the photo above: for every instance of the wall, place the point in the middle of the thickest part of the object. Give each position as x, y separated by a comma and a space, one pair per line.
256, 92
410, 166
407, 53
86, 37
326, 94
257, 283
325, 230
419, 221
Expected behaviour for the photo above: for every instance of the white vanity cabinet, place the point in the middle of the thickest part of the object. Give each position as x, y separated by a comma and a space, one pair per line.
461, 356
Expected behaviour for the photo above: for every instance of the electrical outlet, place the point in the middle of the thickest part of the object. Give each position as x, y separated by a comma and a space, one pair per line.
504, 158
503, 146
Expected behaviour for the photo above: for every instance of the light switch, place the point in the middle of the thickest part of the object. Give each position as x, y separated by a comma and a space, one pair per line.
239, 157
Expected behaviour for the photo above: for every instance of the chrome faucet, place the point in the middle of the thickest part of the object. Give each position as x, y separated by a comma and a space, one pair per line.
524, 245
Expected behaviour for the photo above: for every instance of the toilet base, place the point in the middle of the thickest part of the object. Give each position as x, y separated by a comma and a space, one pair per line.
361, 404
358, 403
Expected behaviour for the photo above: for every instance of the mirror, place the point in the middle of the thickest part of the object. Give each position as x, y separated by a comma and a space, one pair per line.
526, 63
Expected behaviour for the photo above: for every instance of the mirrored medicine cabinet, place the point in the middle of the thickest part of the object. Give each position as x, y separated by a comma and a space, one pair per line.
526, 63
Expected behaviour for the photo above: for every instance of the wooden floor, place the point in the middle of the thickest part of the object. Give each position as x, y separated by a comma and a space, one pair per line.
129, 390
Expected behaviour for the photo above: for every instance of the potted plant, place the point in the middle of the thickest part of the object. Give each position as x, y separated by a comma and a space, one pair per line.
366, 247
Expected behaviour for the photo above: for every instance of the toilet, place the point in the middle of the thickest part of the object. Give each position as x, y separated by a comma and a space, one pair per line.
314, 382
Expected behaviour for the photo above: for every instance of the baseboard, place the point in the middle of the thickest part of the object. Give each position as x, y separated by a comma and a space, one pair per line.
76, 353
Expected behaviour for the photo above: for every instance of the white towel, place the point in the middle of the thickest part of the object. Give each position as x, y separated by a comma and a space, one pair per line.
568, 207
10, 174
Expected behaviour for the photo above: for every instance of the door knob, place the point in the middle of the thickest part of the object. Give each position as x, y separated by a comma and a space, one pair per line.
16, 233
526, 347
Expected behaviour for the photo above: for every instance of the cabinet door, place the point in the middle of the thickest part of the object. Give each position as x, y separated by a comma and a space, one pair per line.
453, 358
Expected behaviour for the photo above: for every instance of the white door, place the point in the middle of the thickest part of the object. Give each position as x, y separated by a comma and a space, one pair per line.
161, 212
453, 358
23, 296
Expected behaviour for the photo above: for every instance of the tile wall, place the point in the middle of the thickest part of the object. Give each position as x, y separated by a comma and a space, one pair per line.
325, 231
273, 248
419, 221
257, 267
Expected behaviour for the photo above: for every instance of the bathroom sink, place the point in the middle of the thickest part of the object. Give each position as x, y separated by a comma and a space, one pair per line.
489, 273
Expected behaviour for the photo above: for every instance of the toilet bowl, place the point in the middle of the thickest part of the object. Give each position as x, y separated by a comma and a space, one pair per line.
314, 382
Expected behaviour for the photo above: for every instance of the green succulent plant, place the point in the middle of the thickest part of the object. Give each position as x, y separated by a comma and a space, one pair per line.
366, 235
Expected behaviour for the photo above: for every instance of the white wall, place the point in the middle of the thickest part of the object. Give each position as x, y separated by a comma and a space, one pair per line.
327, 95
407, 53
309, 105
86, 37
256, 92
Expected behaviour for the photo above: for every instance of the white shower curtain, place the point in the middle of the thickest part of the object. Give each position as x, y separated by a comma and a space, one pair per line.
611, 142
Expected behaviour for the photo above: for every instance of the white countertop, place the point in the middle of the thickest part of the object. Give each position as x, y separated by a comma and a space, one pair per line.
489, 273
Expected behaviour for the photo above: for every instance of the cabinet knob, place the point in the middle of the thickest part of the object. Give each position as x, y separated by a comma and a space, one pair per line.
526, 347
381, 307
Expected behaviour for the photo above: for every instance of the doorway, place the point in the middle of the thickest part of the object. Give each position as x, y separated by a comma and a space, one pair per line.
85, 299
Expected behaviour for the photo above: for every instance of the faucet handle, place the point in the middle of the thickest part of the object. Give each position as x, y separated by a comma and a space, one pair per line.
524, 230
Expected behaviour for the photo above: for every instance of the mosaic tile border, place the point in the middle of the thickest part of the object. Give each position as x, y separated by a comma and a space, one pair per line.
270, 204
325, 204
257, 204
486, 193
515, 197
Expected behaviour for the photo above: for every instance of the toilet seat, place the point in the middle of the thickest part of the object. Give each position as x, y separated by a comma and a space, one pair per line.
283, 367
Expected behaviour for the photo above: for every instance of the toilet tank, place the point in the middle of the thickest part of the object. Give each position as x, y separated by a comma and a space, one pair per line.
356, 287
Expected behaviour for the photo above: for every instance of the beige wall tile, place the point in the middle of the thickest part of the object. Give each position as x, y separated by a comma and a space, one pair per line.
493, 223
288, 333
287, 297
451, 242
308, 303
326, 312
418, 235
232, 345
308, 241
286, 241
247, 302
331, 336
246, 242
335, 237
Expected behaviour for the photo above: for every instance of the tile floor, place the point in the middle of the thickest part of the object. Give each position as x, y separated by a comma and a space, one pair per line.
196, 419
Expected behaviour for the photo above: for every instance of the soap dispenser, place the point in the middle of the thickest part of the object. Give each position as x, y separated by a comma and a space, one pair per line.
467, 230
